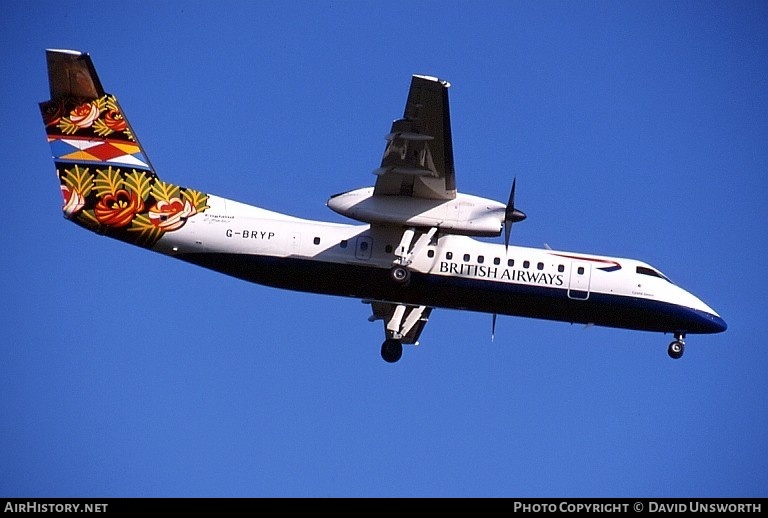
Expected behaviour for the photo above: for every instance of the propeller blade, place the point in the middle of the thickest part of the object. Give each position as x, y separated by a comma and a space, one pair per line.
507, 231
511, 214
511, 201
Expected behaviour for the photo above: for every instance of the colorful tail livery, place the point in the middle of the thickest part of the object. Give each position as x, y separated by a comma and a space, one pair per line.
412, 248
107, 181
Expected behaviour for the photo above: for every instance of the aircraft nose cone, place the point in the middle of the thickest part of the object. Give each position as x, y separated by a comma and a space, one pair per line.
718, 324
709, 323
699, 321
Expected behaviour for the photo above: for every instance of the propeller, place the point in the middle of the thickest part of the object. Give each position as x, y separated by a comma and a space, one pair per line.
493, 327
511, 214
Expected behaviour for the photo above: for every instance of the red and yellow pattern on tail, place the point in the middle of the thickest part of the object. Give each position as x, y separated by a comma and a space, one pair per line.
107, 182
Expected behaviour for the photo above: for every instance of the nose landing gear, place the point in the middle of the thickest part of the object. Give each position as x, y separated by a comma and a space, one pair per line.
404, 254
677, 348
400, 274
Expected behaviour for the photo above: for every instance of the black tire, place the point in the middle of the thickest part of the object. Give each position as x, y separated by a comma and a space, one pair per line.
676, 350
401, 275
391, 350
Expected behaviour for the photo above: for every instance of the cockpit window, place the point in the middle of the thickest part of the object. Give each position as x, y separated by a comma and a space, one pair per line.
644, 270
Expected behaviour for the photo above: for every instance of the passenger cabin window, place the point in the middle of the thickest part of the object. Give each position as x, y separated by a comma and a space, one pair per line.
510, 262
480, 259
343, 243
449, 255
496, 260
430, 253
580, 271
540, 266
316, 241
526, 264
560, 268
466, 258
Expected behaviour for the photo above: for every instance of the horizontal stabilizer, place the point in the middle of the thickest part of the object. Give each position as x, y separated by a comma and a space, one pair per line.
71, 74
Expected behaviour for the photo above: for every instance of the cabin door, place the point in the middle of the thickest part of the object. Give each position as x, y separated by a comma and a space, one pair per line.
578, 285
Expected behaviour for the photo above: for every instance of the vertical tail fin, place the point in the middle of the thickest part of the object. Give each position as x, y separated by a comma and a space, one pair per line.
84, 124
107, 181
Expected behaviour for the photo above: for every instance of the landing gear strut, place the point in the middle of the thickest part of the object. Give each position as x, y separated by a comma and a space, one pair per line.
402, 325
677, 348
404, 254
391, 350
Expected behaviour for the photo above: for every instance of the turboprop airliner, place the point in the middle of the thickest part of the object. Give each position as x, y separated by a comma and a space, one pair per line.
413, 246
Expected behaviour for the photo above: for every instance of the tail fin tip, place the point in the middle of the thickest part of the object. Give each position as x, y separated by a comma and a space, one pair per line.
71, 74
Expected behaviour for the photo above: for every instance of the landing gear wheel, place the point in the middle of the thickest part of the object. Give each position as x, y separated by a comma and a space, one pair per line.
676, 349
400, 274
391, 350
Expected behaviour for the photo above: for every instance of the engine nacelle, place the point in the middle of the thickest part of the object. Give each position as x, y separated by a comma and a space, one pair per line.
465, 214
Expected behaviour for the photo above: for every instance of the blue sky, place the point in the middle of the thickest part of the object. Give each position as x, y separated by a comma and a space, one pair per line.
635, 129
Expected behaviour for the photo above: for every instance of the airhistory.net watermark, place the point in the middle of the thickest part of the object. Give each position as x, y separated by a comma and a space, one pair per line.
33, 506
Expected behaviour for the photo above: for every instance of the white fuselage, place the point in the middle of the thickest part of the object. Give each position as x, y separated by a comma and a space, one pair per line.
453, 271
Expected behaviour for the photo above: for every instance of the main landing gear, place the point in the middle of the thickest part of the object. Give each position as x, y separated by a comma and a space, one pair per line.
403, 324
391, 350
677, 348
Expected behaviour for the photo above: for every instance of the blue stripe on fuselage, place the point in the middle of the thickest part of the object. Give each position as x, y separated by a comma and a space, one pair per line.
443, 291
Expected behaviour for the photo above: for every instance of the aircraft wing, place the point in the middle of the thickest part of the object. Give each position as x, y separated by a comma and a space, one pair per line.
418, 158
